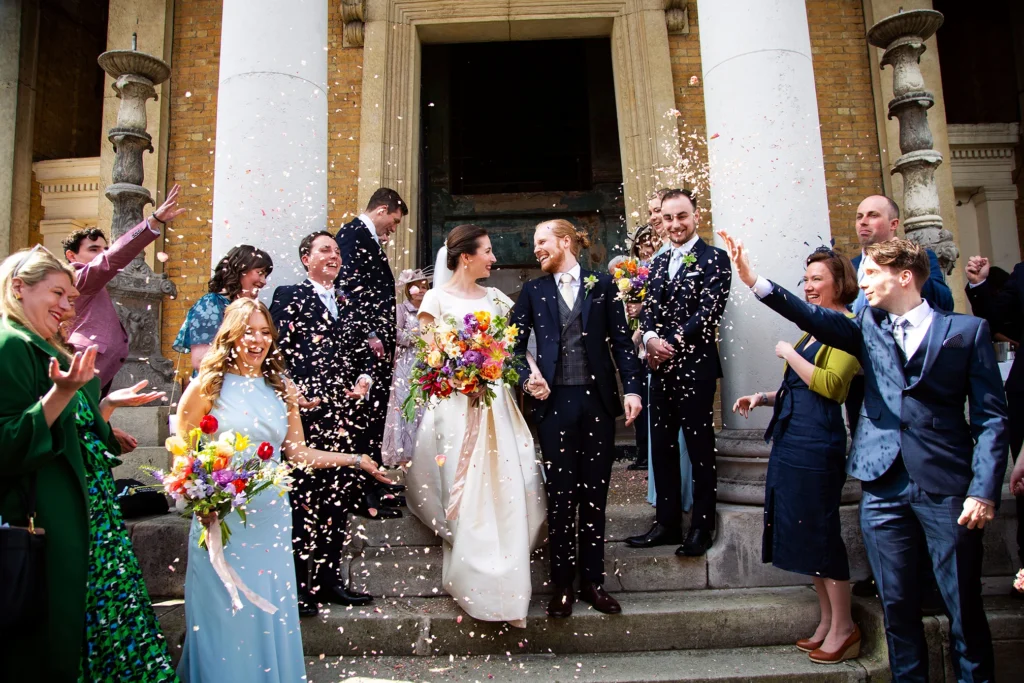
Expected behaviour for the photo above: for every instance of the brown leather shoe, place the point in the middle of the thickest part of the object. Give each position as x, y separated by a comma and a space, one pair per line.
560, 606
808, 645
849, 650
595, 594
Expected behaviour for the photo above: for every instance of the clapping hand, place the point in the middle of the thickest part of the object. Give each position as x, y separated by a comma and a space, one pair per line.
130, 397
168, 211
976, 513
977, 269
79, 373
744, 404
307, 403
739, 258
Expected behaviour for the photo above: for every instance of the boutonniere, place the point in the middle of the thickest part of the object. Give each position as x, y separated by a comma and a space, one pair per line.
341, 297
588, 284
689, 260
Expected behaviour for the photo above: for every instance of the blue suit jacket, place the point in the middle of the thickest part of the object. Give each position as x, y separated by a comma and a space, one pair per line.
924, 420
605, 334
935, 291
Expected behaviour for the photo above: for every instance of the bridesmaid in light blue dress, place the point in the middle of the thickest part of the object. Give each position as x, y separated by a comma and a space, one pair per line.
241, 383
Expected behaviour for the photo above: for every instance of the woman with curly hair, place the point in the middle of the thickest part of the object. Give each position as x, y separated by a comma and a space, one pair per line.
243, 272
242, 383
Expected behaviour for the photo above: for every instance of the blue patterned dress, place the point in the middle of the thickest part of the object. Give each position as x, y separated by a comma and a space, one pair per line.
201, 323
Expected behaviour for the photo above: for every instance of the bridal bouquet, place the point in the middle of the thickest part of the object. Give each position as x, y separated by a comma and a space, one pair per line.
220, 475
450, 360
631, 281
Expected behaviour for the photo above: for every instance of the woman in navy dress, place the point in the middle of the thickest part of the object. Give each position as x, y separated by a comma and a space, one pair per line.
807, 467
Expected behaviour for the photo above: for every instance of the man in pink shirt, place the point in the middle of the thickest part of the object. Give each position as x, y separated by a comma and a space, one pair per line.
96, 264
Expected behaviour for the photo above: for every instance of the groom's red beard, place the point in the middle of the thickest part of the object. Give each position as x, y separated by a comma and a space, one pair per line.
553, 263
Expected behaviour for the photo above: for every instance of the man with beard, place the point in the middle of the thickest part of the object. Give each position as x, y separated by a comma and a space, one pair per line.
686, 296
327, 356
580, 325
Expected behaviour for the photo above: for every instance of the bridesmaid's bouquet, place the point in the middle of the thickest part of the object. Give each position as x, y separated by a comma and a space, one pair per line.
219, 475
452, 360
631, 280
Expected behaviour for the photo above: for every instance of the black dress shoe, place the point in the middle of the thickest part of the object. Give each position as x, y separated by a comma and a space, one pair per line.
866, 588
307, 606
637, 466
393, 501
375, 508
595, 594
560, 606
382, 488
658, 535
340, 595
696, 544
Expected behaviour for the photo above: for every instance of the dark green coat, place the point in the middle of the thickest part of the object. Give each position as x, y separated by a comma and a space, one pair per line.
55, 454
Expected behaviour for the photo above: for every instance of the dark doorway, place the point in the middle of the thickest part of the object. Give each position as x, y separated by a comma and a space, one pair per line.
516, 133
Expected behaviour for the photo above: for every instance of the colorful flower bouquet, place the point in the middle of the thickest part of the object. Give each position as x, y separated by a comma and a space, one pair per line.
631, 281
451, 360
220, 475
1018, 581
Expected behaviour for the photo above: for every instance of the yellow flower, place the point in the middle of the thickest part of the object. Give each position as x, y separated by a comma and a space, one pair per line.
624, 285
241, 442
176, 445
511, 332
434, 359
618, 273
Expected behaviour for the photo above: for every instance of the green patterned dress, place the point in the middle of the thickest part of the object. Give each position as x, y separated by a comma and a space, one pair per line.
122, 639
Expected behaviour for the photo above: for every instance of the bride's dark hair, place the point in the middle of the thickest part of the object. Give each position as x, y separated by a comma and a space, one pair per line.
463, 239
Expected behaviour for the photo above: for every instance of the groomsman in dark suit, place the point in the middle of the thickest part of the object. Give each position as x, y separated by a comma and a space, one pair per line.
367, 276
580, 325
686, 296
931, 479
327, 357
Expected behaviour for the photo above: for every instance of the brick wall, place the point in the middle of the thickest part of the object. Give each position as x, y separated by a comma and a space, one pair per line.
344, 98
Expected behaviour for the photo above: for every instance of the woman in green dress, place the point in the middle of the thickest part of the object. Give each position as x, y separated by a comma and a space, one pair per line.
98, 624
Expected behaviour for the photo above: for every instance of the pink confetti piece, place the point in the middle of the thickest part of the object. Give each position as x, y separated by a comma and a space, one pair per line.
440, 459
162, 257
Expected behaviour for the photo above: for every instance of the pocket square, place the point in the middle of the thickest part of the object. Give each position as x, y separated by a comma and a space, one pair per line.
954, 342
692, 273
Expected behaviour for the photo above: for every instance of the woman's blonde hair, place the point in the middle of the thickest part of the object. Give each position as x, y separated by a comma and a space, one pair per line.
562, 228
221, 356
31, 266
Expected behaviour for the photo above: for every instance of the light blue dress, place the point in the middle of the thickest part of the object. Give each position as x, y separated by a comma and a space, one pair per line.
685, 469
250, 646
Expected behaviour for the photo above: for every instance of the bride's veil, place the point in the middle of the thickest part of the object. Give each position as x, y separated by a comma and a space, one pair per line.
441, 272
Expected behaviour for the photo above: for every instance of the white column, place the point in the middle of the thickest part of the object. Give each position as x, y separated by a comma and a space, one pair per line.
768, 188
10, 58
997, 224
270, 174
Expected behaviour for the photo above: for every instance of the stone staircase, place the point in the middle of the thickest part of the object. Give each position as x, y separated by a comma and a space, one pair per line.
684, 619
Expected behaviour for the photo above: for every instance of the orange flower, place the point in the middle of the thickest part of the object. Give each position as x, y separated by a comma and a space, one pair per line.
220, 462
491, 372
483, 319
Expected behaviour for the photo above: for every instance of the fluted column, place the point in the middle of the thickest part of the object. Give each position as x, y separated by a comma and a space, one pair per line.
270, 174
768, 188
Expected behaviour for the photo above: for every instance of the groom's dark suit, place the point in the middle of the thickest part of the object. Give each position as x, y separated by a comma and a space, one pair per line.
576, 423
367, 276
918, 458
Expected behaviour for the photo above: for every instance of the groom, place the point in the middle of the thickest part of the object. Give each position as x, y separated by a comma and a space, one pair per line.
579, 325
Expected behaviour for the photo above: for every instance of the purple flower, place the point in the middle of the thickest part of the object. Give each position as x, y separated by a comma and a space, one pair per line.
473, 358
197, 466
224, 477
470, 322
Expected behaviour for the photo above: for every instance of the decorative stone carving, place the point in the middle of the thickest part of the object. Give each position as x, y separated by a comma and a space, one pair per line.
353, 13
137, 291
677, 17
902, 37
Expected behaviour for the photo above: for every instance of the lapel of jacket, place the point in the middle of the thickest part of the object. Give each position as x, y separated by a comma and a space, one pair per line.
588, 296
933, 342
320, 317
549, 295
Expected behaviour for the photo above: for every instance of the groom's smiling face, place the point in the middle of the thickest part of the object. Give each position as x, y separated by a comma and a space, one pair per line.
549, 250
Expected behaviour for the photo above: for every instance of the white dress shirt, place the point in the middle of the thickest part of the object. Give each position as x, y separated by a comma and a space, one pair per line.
683, 249
575, 284
326, 295
369, 226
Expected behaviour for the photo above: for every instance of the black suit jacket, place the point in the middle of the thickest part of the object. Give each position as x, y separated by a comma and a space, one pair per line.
686, 310
366, 275
1004, 311
605, 334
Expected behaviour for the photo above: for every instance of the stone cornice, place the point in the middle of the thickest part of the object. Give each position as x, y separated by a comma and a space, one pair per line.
992, 141
69, 188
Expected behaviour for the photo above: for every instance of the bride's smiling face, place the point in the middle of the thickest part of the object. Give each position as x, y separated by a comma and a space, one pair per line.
478, 265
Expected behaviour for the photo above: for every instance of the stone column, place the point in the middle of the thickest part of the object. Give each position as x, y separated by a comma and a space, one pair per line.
270, 177
768, 188
10, 58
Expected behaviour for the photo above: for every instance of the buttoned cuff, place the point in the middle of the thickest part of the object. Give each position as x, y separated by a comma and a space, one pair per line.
762, 287
972, 285
648, 336
637, 395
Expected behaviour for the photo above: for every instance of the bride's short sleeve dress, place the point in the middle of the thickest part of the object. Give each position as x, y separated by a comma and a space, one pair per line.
502, 512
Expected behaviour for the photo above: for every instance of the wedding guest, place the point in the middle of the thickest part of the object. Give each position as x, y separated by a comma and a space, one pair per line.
243, 272
658, 237
242, 384
802, 532
55, 441
365, 273
327, 359
930, 478
642, 249
399, 433
686, 296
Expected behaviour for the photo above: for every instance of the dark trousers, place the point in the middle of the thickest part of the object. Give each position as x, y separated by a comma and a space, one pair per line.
640, 424
896, 519
1015, 409
321, 500
374, 409
690, 405
577, 441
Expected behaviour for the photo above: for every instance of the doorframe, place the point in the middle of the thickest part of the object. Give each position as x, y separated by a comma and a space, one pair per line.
394, 31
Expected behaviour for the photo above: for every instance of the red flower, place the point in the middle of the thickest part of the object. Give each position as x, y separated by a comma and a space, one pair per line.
265, 451
239, 485
208, 424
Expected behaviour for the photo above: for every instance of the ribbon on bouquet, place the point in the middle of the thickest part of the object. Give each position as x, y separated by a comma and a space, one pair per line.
469, 439
228, 576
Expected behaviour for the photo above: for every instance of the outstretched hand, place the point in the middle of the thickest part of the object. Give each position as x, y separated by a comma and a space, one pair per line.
130, 396
744, 404
79, 373
169, 210
367, 464
739, 258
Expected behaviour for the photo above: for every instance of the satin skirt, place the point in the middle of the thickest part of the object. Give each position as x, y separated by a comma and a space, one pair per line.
502, 511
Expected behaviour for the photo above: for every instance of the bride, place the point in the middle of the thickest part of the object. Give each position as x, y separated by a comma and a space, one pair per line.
491, 530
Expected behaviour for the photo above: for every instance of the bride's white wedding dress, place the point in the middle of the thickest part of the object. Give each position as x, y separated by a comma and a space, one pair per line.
502, 511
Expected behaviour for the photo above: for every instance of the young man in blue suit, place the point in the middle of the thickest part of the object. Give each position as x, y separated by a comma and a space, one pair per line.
580, 326
928, 475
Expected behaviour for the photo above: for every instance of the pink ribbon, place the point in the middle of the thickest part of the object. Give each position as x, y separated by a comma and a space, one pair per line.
469, 439
228, 576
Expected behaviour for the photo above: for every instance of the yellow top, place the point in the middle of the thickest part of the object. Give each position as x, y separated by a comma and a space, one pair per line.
834, 370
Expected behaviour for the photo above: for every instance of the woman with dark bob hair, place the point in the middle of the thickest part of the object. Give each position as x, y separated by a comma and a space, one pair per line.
807, 466
243, 272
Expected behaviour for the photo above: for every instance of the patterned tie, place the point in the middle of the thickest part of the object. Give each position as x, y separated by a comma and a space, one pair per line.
677, 260
899, 334
565, 289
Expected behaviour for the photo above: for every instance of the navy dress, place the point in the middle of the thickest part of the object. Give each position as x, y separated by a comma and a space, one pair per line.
806, 474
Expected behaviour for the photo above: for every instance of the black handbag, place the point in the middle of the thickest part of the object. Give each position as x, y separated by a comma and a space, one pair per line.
23, 592
138, 500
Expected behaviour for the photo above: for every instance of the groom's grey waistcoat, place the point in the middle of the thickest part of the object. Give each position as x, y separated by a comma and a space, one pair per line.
572, 368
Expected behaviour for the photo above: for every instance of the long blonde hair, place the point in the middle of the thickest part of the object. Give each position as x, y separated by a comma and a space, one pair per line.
221, 356
31, 266
562, 228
